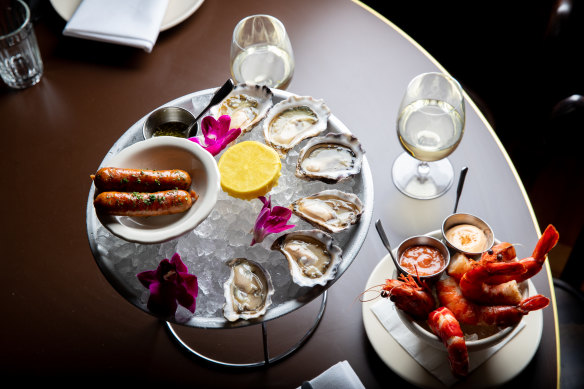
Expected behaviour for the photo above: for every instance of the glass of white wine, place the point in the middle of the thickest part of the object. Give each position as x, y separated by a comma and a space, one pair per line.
430, 125
261, 52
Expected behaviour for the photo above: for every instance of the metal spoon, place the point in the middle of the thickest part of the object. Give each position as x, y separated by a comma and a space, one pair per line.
459, 188
219, 95
385, 241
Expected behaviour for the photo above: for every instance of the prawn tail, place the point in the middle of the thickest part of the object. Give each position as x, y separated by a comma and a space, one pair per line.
546, 243
445, 325
533, 303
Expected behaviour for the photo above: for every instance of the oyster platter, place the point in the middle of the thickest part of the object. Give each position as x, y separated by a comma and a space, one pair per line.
325, 183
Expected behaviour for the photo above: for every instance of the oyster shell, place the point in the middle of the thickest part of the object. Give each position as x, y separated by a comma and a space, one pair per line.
248, 290
312, 257
330, 158
247, 104
292, 120
331, 210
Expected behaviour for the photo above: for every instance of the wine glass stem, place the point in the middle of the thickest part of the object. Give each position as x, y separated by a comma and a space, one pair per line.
423, 171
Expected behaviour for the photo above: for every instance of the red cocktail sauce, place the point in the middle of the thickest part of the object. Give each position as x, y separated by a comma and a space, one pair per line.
422, 260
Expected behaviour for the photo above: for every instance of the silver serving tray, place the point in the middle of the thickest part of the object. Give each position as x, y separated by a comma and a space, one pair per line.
297, 297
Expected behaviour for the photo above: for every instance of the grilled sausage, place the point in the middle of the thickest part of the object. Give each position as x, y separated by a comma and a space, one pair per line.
140, 180
144, 204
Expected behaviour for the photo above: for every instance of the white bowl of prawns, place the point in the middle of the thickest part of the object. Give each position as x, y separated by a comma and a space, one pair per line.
476, 304
477, 337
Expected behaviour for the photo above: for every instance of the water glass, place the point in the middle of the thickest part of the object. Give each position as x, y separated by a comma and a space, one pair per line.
20, 59
261, 52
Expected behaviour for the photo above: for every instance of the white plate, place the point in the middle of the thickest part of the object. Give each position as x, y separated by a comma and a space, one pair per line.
176, 12
500, 368
161, 153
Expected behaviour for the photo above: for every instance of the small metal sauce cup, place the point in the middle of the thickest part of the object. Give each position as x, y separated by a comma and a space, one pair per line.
167, 115
424, 240
465, 218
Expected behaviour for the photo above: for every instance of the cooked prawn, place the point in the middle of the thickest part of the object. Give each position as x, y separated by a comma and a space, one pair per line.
494, 280
409, 296
477, 284
502, 252
533, 264
468, 312
447, 328
461, 263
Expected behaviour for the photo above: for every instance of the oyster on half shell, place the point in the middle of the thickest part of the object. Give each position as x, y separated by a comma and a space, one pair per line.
292, 120
312, 257
248, 290
246, 104
330, 158
332, 210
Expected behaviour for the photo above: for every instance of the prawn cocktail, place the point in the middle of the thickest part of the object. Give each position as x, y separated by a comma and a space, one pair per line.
482, 292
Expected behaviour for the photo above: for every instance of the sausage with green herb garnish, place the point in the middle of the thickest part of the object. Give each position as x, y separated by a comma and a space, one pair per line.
140, 180
144, 203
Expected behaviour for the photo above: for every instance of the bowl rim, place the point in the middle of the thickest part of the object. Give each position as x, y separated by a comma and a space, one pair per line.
193, 217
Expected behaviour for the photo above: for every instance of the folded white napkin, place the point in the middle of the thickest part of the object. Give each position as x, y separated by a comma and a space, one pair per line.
339, 376
433, 360
133, 23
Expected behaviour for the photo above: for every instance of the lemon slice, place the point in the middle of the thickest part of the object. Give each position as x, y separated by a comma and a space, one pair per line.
249, 169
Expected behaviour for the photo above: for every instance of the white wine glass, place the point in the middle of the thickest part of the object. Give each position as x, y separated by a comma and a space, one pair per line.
261, 52
430, 125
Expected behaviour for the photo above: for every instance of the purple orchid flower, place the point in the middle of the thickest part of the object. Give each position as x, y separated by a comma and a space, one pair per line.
270, 220
170, 283
217, 134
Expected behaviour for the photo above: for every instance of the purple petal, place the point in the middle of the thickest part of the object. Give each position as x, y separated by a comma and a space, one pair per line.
162, 300
215, 148
270, 220
164, 267
197, 141
208, 125
222, 125
169, 283
231, 135
186, 298
267, 202
259, 235
191, 284
178, 263
147, 277
282, 212
262, 218
278, 228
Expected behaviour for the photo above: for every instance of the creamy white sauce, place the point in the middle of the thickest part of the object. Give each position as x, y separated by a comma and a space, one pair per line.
467, 237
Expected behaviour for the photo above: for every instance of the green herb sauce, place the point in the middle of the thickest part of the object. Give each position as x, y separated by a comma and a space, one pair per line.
177, 129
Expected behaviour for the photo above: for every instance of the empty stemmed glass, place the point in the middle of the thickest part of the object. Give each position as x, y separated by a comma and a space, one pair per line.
261, 52
430, 125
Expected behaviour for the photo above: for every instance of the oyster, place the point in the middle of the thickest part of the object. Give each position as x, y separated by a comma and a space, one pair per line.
246, 104
293, 120
248, 290
331, 210
330, 158
312, 257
